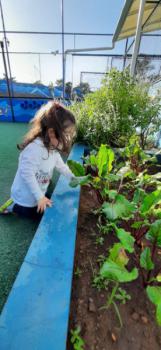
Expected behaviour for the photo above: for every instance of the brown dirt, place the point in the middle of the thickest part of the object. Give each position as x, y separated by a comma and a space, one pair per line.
100, 329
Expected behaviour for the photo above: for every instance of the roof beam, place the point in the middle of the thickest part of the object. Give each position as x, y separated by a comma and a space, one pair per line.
122, 19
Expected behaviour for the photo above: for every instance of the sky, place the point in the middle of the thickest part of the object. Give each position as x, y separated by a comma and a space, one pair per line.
98, 16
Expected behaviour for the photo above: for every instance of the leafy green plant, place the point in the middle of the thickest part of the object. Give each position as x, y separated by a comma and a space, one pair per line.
76, 339
120, 207
100, 283
111, 302
114, 270
131, 211
99, 240
134, 155
78, 272
154, 294
122, 295
99, 167
101, 258
119, 107
104, 229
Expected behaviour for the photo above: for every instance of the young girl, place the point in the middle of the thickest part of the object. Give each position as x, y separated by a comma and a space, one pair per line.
53, 129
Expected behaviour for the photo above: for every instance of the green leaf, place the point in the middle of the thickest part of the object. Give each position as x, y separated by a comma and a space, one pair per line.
76, 168
126, 239
125, 171
154, 233
80, 180
158, 314
158, 277
145, 259
157, 213
115, 272
154, 294
118, 255
151, 199
111, 193
120, 208
105, 159
93, 159
139, 195
112, 177
137, 224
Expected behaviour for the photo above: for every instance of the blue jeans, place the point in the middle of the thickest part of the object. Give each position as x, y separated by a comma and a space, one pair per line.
31, 212
28, 212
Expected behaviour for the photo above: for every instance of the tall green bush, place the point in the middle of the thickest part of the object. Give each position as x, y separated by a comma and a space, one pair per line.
112, 114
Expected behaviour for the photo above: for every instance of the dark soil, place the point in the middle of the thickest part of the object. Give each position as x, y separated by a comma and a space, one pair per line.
100, 329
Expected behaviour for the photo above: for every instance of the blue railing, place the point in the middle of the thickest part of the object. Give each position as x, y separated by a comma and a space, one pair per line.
35, 316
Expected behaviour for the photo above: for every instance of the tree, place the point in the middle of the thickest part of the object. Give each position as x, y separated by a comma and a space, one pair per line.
84, 88
59, 82
68, 86
37, 82
145, 70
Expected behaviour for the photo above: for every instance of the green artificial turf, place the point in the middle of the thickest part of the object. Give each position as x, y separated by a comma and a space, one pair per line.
15, 233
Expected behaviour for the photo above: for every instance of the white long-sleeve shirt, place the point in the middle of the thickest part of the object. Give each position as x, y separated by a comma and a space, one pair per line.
34, 173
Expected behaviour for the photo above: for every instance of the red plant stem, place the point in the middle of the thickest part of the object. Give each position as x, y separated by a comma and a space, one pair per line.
127, 226
141, 270
153, 250
99, 197
140, 234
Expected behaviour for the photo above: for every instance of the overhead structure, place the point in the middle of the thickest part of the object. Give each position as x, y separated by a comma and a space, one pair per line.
138, 16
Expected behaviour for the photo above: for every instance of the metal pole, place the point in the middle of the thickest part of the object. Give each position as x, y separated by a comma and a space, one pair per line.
137, 37
124, 61
40, 67
73, 66
7, 80
6, 45
111, 66
63, 54
59, 33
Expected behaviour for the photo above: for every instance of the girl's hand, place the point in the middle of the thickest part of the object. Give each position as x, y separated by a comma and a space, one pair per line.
43, 203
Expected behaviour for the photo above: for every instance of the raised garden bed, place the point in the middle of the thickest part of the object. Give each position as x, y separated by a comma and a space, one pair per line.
116, 297
100, 329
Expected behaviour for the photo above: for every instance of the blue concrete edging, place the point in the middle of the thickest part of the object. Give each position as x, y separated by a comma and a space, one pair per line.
35, 316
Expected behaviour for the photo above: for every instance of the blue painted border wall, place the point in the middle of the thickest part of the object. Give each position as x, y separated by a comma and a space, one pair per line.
24, 109
35, 316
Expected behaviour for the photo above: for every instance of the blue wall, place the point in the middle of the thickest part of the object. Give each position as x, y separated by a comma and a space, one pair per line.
25, 108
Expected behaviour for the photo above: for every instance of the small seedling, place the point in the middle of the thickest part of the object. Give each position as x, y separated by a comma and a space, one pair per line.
101, 258
111, 301
76, 339
104, 229
122, 296
99, 241
100, 283
78, 272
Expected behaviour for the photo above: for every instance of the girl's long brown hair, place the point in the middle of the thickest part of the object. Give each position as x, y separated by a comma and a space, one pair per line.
52, 115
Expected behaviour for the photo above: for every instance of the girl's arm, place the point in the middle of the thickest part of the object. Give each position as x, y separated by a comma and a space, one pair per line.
63, 168
29, 161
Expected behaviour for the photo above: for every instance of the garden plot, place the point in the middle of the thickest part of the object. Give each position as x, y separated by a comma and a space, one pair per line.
116, 298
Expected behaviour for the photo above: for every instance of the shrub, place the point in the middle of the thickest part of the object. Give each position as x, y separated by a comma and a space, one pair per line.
112, 114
